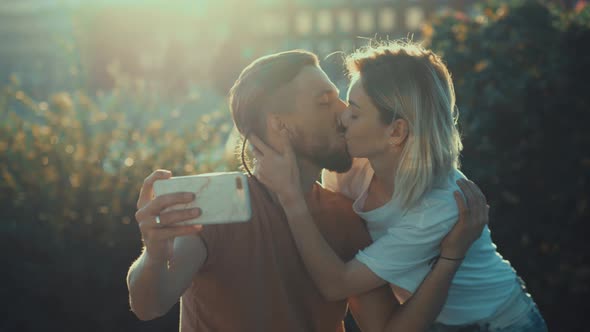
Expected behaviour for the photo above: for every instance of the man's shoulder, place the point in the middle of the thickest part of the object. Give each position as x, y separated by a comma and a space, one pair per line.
335, 206
338, 221
328, 199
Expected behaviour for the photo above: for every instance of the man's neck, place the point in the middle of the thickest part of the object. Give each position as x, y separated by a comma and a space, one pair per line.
308, 175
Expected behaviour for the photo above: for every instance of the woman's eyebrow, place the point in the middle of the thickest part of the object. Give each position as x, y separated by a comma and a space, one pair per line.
351, 102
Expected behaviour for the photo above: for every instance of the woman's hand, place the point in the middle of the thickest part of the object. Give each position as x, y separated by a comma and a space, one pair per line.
473, 216
277, 170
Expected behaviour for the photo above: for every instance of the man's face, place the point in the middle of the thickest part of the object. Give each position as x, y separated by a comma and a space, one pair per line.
314, 124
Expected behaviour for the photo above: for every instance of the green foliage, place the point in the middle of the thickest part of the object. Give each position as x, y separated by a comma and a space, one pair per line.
71, 168
520, 75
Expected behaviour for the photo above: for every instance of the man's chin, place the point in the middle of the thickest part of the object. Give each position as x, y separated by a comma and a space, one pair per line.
335, 162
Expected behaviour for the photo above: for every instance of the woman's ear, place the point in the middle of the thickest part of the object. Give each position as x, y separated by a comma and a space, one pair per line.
399, 131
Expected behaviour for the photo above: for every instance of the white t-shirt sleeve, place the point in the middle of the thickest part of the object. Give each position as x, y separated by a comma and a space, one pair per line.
402, 255
350, 183
330, 180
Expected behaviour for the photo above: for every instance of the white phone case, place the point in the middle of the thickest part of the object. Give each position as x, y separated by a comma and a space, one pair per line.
222, 197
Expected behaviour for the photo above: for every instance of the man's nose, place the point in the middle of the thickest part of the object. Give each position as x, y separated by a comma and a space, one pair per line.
342, 121
344, 117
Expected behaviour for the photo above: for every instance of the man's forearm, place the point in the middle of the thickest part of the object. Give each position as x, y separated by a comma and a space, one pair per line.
420, 311
144, 282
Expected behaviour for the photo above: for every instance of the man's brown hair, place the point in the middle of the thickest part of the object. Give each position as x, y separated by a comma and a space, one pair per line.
257, 90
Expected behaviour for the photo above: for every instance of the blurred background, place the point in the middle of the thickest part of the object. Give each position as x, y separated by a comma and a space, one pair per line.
94, 95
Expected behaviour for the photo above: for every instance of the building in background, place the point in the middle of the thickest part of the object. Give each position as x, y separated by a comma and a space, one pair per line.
54, 45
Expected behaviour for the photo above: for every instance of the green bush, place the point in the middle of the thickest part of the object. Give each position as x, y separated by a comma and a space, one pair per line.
71, 168
521, 78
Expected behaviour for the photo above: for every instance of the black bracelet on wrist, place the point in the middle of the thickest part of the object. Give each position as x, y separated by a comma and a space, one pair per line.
452, 259
436, 258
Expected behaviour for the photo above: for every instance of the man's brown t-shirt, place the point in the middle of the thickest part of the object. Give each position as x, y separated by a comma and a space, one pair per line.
254, 278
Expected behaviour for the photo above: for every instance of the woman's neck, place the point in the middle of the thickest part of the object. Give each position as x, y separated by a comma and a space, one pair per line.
385, 168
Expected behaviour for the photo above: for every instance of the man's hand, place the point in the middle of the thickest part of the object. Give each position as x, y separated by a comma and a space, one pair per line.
473, 216
159, 238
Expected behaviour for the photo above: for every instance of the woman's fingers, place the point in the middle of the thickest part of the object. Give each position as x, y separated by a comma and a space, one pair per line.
286, 146
257, 153
260, 145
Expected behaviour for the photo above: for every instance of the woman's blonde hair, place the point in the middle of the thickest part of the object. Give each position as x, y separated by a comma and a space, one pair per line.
406, 81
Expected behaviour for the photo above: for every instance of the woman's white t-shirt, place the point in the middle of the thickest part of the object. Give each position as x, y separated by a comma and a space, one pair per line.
405, 242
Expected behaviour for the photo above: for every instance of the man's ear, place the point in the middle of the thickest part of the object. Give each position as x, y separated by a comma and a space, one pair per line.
399, 131
274, 123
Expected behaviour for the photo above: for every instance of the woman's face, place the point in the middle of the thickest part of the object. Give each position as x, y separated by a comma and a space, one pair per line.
366, 136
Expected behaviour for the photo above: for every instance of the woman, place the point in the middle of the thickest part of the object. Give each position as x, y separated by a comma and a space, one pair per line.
401, 129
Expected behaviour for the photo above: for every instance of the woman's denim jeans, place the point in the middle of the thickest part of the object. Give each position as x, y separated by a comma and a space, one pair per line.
519, 313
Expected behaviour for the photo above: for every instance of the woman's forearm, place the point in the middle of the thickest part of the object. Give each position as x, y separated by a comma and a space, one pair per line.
330, 273
324, 265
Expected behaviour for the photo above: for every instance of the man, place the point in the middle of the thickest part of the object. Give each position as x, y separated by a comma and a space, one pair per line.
250, 277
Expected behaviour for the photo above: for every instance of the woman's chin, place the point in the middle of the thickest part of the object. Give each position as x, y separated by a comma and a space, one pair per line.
352, 152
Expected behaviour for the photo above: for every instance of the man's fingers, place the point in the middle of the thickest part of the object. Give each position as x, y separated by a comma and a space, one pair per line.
479, 202
160, 203
173, 217
146, 192
461, 205
166, 233
260, 145
467, 193
481, 198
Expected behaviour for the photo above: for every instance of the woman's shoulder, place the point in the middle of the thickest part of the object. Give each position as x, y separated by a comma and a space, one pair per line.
443, 191
438, 206
350, 183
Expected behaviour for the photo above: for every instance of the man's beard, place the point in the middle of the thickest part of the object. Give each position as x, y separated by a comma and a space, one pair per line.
318, 151
338, 161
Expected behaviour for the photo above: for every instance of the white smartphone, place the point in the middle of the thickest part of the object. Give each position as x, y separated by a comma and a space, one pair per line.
222, 197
